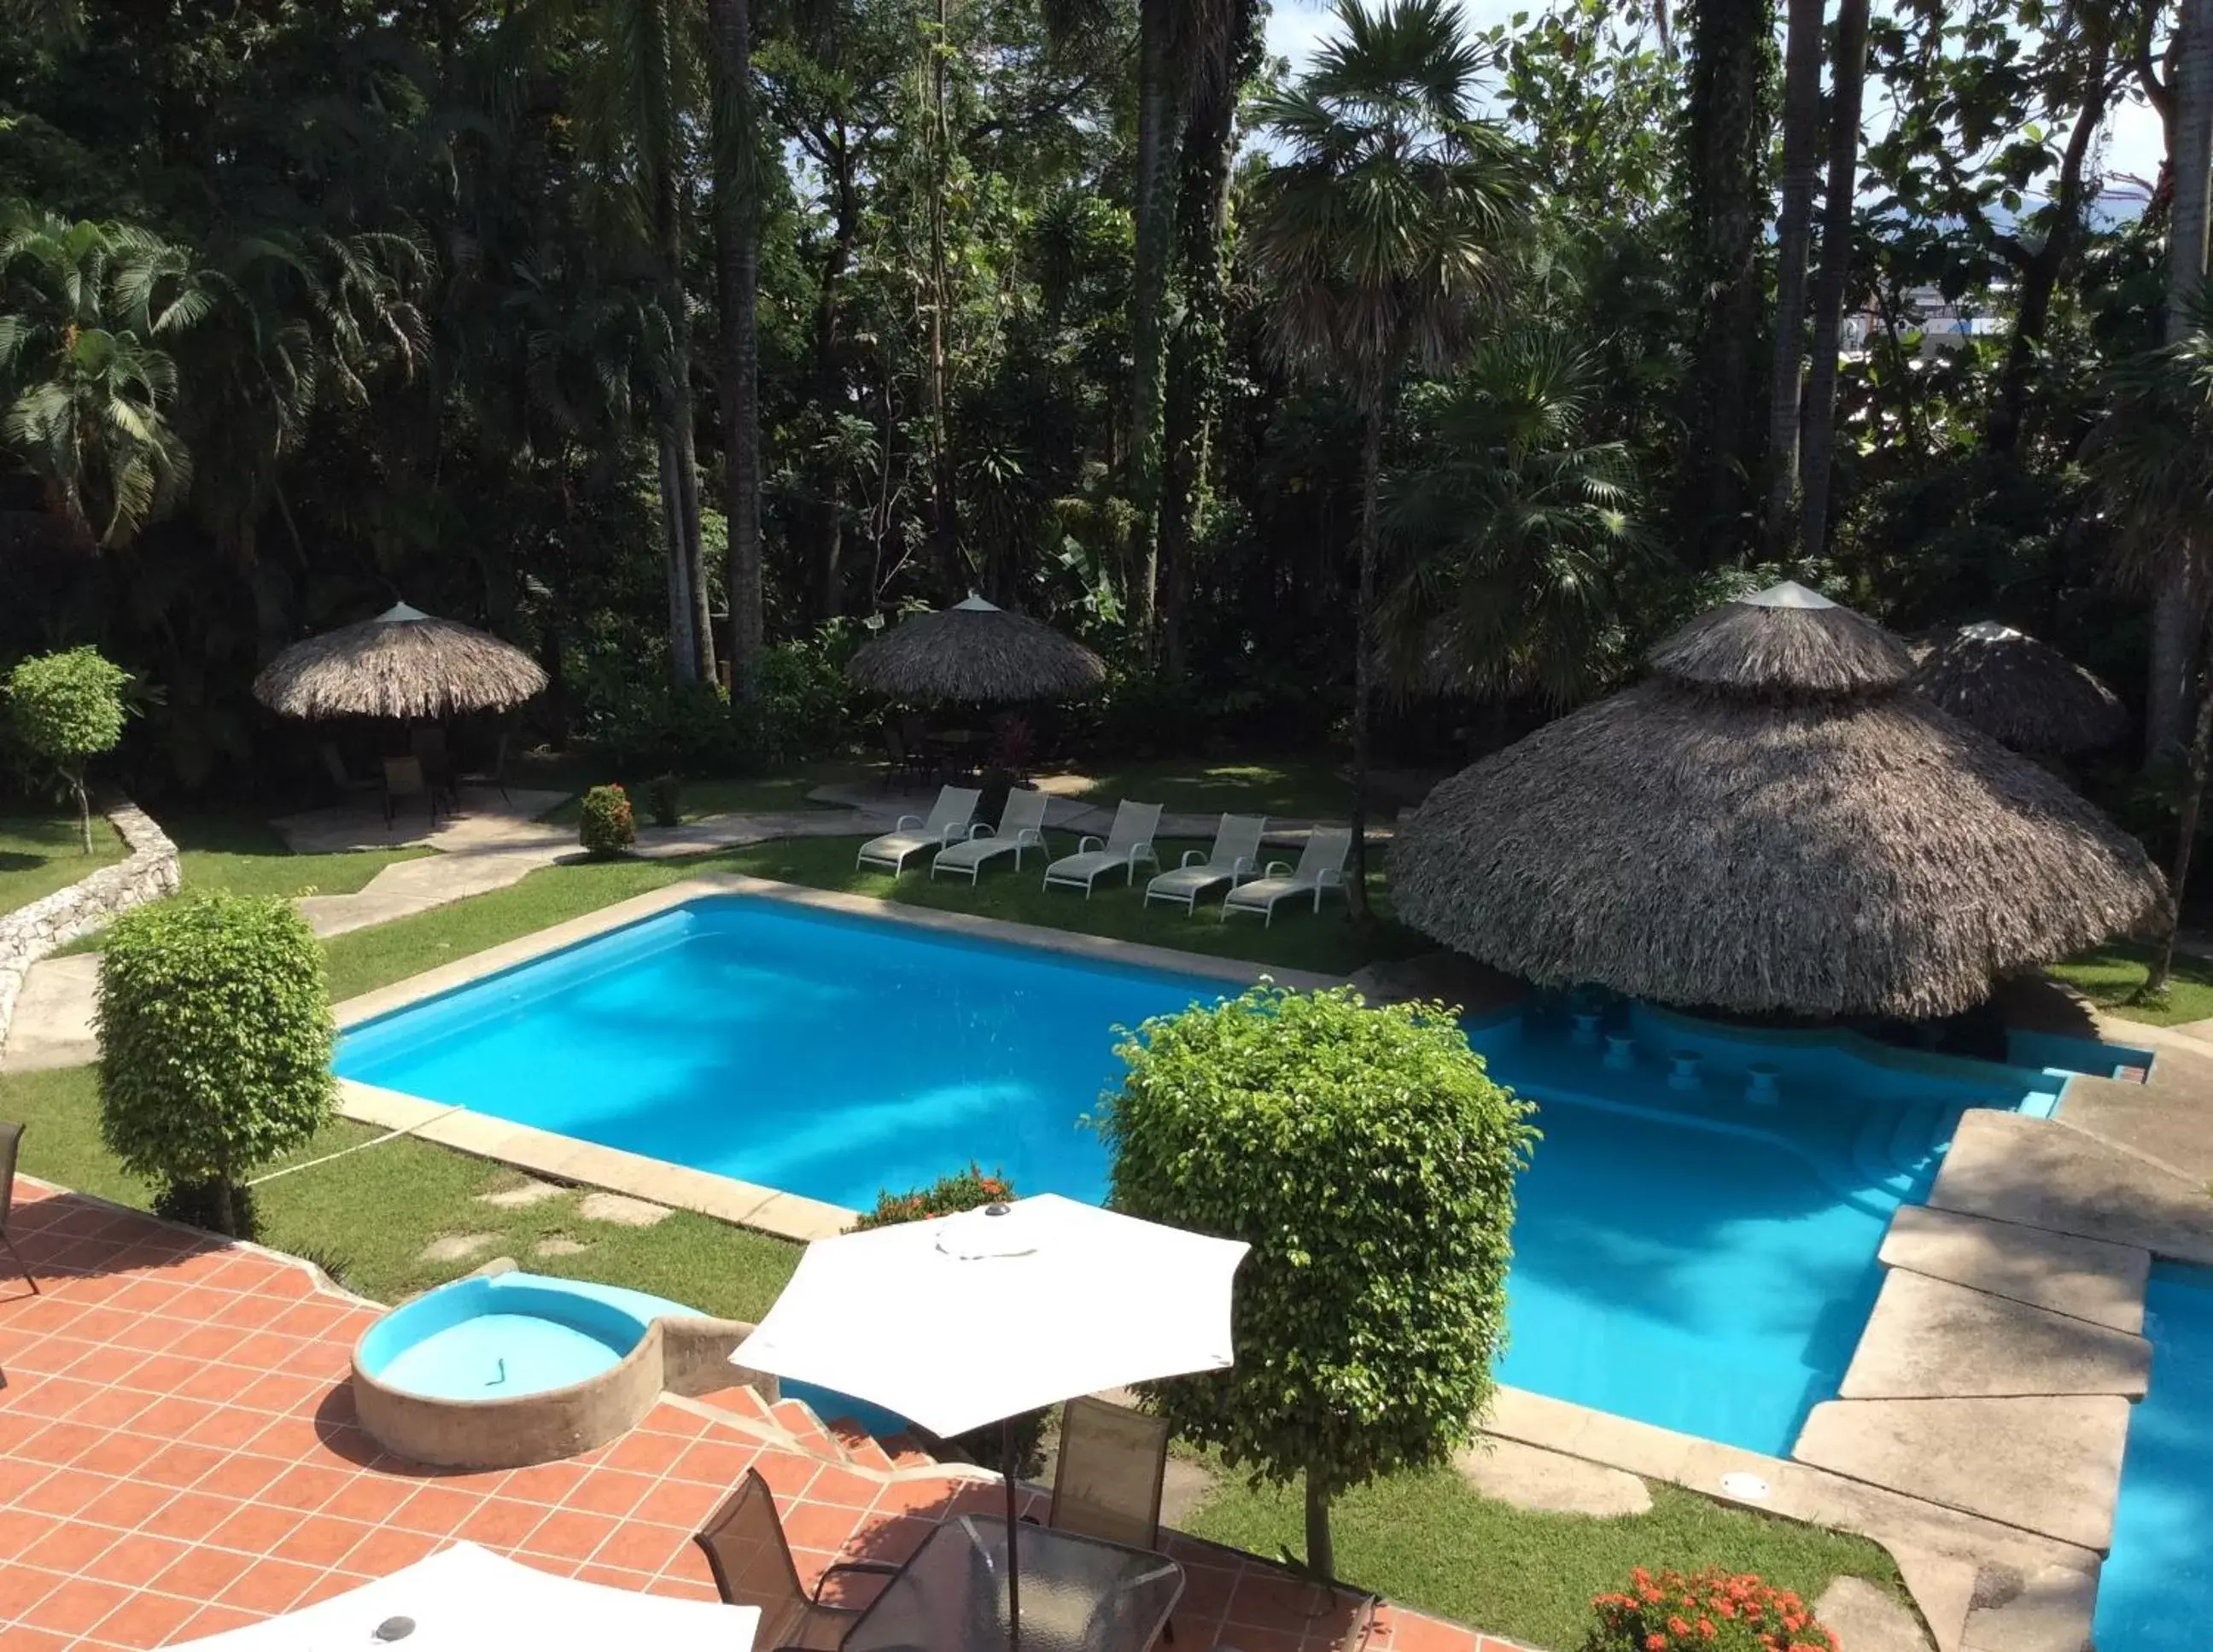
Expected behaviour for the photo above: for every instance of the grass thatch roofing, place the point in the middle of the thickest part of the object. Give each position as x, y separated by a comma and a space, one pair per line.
402, 664
974, 651
2021, 692
1753, 834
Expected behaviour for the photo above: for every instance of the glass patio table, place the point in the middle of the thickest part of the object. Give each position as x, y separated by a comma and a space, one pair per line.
1078, 1594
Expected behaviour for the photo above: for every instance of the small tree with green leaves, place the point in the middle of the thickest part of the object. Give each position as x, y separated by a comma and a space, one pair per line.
215, 1043
1369, 1160
67, 709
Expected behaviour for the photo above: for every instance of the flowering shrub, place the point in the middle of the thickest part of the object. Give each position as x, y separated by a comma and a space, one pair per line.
606, 827
947, 1195
1711, 1611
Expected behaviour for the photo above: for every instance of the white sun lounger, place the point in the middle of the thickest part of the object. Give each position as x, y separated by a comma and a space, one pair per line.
948, 823
1129, 842
1234, 857
1321, 867
1022, 825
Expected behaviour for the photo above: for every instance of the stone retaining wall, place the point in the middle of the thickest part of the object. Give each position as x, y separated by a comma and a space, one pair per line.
29, 933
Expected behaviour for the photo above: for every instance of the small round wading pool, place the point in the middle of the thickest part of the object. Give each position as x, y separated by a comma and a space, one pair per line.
502, 1370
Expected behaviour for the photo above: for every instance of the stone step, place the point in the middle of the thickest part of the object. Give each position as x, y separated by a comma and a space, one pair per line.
861, 1448
798, 1418
741, 1401
906, 1452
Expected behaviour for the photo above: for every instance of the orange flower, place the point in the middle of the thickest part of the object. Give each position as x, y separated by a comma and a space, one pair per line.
1706, 1630
1677, 1626
1656, 1643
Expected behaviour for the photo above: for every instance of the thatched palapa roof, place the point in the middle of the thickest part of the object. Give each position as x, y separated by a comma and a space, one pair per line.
975, 651
2021, 692
402, 664
1769, 822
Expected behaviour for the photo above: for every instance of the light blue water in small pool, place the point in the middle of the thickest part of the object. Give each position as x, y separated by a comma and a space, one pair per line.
1685, 1257
500, 1336
2161, 1566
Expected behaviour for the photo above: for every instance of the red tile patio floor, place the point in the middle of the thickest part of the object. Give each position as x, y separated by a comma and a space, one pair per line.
179, 1456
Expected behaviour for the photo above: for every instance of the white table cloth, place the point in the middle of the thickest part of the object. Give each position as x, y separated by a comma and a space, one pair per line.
467, 1599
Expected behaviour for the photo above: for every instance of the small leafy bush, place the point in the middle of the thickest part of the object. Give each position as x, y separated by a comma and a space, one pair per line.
215, 1046
654, 725
66, 709
664, 795
1369, 1160
1711, 1611
606, 827
947, 1195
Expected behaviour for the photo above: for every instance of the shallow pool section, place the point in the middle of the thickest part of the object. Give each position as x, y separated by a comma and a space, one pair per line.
815, 1052
1697, 1239
2161, 1563
505, 1335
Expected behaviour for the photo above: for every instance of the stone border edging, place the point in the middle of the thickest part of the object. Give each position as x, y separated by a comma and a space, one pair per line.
148, 872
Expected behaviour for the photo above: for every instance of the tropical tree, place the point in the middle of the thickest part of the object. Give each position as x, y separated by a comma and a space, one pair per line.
87, 313
1848, 78
1794, 224
737, 265
1382, 232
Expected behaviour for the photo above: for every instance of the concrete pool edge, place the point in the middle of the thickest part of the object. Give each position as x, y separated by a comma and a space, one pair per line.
747, 1205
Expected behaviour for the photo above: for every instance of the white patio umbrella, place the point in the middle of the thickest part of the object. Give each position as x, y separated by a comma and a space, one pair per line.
977, 1318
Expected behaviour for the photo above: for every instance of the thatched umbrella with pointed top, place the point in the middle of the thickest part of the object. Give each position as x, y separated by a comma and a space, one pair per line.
404, 664
1769, 822
976, 652
2021, 692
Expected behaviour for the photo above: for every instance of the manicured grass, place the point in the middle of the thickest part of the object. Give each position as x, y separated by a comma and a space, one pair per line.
1429, 1540
2110, 976
41, 853
246, 857
1297, 939
367, 1216
768, 793
1291, 789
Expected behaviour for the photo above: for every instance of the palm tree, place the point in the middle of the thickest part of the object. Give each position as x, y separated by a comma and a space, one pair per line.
1848, 78
85, 312
1802, 123
737, 236
1383, 229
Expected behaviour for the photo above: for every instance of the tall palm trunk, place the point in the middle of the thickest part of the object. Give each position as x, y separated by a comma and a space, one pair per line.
2174, 637
944, 520
1159, 80
737, 236
1794, 225
1847, 80
683, 637
1364, 691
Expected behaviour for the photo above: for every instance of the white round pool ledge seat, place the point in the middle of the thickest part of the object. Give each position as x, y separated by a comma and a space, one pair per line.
1685, 1065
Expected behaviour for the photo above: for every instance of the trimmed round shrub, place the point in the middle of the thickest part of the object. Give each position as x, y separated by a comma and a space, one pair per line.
607, 826
67, 709
1368, 1160
664, 795
215, 1044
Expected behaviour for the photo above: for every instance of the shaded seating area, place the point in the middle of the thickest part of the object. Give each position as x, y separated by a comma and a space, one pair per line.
751, 1560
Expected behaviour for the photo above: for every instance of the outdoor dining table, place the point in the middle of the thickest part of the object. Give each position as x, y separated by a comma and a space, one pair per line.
1078, 1594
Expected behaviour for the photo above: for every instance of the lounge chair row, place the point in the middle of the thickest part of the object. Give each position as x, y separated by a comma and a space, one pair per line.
959, 845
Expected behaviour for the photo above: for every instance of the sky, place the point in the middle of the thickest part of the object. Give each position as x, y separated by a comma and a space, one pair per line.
2134, 142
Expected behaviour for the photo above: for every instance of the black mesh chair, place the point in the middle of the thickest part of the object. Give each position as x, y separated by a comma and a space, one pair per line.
747, 1553
11, 1135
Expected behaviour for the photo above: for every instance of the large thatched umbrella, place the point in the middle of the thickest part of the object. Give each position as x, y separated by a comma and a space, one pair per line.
976, 652
2021, 692
403, 664
1769, 822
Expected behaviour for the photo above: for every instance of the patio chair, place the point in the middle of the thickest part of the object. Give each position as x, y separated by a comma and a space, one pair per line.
1114, 1462
949, 822
494, 775
1234, 857
426, 743
334, 767
905, 763
403, 778
10, 1135
1022, 825
1129, 841
751, 1559
1321, 867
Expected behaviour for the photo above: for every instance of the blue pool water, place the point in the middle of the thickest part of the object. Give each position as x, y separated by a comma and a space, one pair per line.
1683, 1256
2161, 1563
504, 1336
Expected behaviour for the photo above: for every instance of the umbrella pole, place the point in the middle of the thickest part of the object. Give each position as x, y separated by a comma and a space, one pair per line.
1014, 1529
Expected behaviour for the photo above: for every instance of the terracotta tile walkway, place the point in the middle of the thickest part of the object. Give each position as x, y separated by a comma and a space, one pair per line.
179, 1456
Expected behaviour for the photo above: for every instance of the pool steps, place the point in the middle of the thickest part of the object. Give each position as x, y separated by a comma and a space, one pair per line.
840, 1442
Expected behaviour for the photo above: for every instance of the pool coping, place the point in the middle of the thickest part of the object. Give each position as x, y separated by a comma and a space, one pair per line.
727, 1198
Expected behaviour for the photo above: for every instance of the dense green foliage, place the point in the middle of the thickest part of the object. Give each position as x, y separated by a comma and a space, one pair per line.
1369, 1160
605, 825
964, 1190
215, 1039
64, 709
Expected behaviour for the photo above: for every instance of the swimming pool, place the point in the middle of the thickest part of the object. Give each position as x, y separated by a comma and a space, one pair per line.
2161, 1561
1684, 1256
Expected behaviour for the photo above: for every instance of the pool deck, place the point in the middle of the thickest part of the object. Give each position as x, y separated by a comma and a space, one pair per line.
178, 1457
786, 1215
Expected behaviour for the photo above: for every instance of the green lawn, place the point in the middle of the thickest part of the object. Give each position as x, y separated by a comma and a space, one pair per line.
1430, 1541
1297, 939
41, 853
367, 1216
1291, 789
2110, 976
